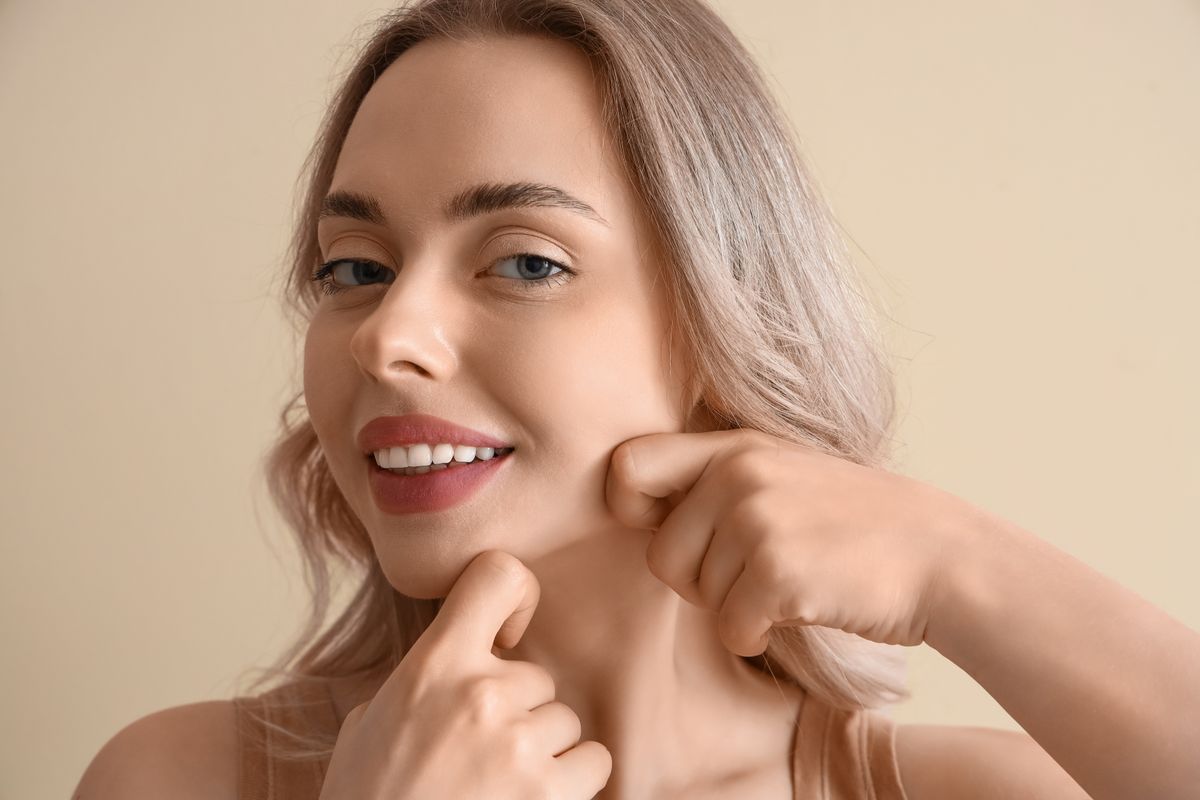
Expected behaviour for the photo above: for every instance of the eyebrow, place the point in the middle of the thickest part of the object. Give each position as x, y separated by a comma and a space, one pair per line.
484, 198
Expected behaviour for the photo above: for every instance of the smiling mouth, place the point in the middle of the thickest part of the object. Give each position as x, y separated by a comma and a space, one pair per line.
450, 465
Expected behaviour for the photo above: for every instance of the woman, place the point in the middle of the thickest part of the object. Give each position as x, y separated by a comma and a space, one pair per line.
593, 403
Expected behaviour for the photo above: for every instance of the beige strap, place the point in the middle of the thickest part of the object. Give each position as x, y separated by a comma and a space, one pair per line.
879, 747
847, 755
306, 708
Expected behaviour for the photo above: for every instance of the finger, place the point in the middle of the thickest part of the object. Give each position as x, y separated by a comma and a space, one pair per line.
532, 684
646, 471
743, 624
556, 726
582, 771
490, 604
724, 562
682, 544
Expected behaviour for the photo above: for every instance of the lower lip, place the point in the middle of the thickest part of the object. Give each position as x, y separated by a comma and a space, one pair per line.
435, 490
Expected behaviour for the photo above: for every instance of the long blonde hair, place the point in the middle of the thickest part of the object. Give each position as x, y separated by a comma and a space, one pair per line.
763, 293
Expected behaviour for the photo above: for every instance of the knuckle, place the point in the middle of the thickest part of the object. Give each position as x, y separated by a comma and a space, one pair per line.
755, 516
521, 743
770, 570
751, 466
484, 698
534, 674
742, 461
544, 677
797, 607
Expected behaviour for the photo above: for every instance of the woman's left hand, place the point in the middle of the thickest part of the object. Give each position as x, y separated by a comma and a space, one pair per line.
769, 532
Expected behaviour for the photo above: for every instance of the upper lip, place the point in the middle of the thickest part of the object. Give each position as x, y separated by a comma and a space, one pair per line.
384, 432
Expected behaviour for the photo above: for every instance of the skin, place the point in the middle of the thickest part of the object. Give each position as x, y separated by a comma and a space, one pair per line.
564, 371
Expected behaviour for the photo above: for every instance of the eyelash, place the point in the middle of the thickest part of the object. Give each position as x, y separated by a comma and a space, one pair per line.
324, 273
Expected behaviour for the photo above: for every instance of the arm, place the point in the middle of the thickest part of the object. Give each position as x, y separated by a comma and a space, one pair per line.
1104, 681
954, 762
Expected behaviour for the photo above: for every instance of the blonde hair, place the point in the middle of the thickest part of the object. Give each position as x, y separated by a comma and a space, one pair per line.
763, 293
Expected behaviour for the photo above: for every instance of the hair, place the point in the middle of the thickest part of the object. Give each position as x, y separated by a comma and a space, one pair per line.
761, 288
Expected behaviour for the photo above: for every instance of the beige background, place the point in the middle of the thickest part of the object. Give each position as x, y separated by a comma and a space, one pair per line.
1020, 179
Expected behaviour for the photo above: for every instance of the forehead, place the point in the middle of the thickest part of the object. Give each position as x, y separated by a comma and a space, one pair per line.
447, 114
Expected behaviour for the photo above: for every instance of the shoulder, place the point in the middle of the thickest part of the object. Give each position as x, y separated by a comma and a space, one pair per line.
188, 752
953, 761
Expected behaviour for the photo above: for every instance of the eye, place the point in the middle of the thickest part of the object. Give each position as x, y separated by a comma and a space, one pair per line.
347, 269
533, 271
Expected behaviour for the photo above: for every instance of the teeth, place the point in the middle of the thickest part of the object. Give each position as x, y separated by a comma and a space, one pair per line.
442, 453
425, 455
392, 457
419, 455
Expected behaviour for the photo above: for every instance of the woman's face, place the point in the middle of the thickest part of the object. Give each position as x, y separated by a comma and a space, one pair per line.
564, 366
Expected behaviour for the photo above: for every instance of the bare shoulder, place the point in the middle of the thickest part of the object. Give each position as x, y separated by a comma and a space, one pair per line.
952, 761
187, 752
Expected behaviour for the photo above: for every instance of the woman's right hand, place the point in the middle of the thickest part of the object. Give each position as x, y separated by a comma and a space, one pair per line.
453, 720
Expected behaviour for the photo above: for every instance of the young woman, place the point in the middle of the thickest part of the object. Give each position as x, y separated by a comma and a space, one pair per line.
594, 408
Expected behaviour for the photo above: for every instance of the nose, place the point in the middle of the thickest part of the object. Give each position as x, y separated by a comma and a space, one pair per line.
405, 333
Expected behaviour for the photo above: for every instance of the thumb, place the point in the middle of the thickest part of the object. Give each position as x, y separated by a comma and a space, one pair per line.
649, 475
490, 605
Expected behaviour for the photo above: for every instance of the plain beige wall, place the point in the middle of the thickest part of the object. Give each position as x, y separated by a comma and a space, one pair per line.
1020, 179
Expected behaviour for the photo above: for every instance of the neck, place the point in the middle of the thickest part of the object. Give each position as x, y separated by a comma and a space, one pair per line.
647, 673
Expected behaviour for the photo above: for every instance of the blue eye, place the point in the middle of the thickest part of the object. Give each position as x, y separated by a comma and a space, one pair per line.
528, 262
356, 269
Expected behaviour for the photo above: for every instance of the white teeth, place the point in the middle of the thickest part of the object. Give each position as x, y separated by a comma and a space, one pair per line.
424, 455
395, 457
420, 455
442, 453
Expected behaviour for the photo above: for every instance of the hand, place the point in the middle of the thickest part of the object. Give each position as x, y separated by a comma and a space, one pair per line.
769, 532
454, 720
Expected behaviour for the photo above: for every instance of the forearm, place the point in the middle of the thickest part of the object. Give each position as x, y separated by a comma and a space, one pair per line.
1104, 681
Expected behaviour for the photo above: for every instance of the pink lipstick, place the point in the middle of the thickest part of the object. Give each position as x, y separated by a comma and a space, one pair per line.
435, 487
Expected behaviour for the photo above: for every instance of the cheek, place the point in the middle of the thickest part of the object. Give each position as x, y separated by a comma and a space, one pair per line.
627, 366
596, 376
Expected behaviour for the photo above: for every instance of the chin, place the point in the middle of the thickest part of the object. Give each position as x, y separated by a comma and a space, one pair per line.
424, 561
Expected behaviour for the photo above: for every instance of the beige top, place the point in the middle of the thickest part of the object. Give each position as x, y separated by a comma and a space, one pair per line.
840, 755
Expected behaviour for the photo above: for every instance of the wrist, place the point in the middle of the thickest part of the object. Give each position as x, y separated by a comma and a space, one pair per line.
964, 582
